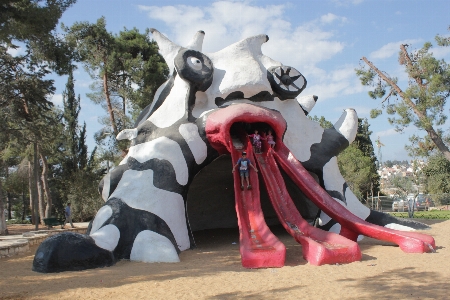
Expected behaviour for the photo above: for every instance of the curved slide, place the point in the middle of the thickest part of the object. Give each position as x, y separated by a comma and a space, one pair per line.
318, 246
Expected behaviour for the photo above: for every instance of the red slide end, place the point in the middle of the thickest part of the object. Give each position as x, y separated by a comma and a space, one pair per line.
410, 242
319, 247
258, 246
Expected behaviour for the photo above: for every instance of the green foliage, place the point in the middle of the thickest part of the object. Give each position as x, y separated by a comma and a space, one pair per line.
17, 221
322, 121
34, 23
432, 214
375, 113
443, 41
438, 174
356, 169
137, 63
403, 185
83, 194
391, 163
24, 20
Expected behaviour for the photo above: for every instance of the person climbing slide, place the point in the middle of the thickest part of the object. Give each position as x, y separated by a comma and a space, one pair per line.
243, 164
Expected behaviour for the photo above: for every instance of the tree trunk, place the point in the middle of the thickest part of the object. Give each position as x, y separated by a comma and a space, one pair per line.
30, 189
8, 195
40, 191
34, 188
108, 103
422, 116
8, 205
3, 228
48, 209
24, 203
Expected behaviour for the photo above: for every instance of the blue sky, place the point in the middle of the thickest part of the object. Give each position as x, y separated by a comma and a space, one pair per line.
323, 39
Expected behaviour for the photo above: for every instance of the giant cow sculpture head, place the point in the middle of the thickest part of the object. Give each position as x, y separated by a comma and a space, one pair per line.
205, 111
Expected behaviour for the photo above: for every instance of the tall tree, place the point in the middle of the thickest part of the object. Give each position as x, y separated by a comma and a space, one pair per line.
23, 86
422, 102
364, 143
437, 171
95, 45
33, 22
357, 162
355, 167
126, 68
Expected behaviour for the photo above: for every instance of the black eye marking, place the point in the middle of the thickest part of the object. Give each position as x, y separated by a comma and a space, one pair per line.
195, 67
286, 82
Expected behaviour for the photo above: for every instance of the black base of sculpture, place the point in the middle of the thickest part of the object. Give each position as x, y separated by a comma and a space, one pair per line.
70, 252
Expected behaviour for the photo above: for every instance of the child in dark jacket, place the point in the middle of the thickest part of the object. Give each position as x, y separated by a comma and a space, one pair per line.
243, 164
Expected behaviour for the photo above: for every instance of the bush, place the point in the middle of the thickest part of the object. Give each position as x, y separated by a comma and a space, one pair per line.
17, 221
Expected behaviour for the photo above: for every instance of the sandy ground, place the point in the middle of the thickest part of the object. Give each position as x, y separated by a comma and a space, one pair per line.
213, 271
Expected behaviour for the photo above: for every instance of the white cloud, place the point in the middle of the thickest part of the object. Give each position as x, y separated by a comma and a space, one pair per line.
347, 2
388, 132
338, 82
16, 52
330, 18
57, 99
392, 132
82, 83
226, 22
362, 111
440, 52
391, 49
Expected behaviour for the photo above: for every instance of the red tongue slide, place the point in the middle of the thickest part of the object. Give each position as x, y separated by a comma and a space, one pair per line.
258, 246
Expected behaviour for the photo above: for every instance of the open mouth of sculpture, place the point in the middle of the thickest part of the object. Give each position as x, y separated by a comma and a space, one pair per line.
259, 248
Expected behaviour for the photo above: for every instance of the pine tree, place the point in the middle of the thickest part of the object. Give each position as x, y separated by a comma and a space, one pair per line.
422, 102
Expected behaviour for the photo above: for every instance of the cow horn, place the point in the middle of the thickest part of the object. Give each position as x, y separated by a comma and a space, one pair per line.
197, 41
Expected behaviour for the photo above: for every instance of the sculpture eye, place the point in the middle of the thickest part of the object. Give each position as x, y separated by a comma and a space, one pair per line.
194, 63
286, 81
195, 67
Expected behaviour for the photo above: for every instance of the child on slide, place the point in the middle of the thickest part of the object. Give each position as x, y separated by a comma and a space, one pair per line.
243, 163
256, 141
270, 139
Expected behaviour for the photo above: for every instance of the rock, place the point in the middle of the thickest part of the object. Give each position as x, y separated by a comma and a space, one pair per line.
70, 252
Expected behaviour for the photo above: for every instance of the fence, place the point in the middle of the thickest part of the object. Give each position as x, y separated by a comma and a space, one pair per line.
440, 209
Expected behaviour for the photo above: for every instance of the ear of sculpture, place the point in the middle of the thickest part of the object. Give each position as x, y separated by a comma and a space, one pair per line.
286, 82
194, 67
167, 48
347, 124
127, 134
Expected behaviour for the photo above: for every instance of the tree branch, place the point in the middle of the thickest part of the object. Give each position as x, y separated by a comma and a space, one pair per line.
409, 63
422, 116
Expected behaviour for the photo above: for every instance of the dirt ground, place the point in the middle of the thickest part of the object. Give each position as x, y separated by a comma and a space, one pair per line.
213, 271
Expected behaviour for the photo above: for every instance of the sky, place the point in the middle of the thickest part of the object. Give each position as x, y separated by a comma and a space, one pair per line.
323, 39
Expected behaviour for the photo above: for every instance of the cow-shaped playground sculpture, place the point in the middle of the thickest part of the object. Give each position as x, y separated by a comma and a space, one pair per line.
203, 111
